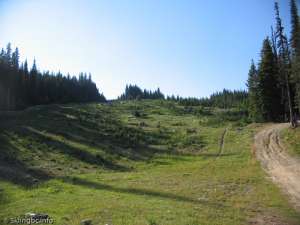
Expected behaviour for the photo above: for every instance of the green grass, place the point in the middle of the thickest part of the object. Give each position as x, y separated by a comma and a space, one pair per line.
144, 162
291, 139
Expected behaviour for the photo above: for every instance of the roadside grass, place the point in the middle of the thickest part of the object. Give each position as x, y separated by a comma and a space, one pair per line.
291, 139
138, 162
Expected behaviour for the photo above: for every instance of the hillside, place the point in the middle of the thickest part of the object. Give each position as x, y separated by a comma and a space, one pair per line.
135, 162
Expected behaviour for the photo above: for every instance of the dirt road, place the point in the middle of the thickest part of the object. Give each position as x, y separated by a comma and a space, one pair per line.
282, 168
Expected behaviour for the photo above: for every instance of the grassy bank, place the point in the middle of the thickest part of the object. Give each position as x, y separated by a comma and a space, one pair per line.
291, 139
146, 162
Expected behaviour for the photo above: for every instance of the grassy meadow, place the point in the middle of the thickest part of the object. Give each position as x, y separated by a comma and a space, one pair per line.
136, 163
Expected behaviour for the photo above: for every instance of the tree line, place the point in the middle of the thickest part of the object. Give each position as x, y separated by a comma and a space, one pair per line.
21, 87
224, 99
134, 92
274, 83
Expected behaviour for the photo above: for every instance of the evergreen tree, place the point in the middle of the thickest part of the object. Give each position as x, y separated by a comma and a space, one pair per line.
133, 92
33, 79
8, 54
295, 28
224, 99
284, 68
20, 88
15, 59
268, 105
295, 46
252, 84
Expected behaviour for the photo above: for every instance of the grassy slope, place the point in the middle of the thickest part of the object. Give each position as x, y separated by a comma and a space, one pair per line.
149, 162
291, 139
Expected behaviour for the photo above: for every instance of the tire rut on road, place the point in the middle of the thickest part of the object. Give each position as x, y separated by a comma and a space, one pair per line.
280, 166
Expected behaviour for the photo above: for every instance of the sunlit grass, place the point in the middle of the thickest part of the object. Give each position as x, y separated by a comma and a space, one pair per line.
164, 166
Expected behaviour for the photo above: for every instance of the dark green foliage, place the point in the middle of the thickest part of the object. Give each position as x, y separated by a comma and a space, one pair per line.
295, 31
225, 99
273, 88
283, 61
137, 113
133, 92
220, 118
295, 46
296, 80
186, 101
228, 99
252, 84
268, 105
20, 88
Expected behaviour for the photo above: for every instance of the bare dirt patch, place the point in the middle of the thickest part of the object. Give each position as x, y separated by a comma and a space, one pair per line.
283, 169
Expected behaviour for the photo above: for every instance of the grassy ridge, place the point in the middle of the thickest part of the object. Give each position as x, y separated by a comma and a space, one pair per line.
146, 162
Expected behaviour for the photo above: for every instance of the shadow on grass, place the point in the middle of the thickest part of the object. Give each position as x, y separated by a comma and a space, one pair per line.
102, 130
215, 155
136, 191
21, 174
75, 152
3, 200
14, 170
96, 136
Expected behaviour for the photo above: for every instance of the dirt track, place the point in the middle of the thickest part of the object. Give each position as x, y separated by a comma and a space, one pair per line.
282, 168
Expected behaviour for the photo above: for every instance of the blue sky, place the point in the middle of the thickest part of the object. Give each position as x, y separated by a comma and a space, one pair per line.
185, 47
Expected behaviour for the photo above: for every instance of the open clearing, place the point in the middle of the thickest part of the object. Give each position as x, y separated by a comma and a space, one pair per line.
135, 163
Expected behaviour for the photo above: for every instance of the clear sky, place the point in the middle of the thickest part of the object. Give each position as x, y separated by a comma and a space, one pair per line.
186, 47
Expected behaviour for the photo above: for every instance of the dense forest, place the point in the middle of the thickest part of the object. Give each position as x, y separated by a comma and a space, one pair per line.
21, 87
274, 83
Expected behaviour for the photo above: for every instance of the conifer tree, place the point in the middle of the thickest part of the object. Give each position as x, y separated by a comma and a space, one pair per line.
295, 28
295, 47
252, 84
15, 59
284, 68
20, 88
267, 90
8, 53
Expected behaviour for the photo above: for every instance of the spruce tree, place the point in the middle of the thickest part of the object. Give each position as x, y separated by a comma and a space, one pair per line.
295, 46
20, 87
284, 68
15, 59
8, 54
252, 84
295, 28
33, 79
268, 103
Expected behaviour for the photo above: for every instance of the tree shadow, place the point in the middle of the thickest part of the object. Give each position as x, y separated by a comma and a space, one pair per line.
216, 155
104, 131
3, 200
77, 153
20, 174
14, 170
136, 191
101, 130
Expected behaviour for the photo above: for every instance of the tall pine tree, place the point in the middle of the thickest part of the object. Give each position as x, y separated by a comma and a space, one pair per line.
252, 84
295, 28
284, 68
295, 46
268, 94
